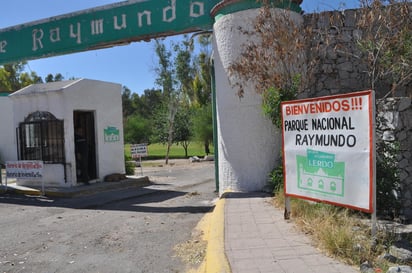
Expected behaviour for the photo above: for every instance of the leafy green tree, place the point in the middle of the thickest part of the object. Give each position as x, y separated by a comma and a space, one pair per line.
164, 70
187, 77
182, 127
137, 129
185, 71
13, 77
160, 125
127, 103
138, 114
203, 126
151, 100
56, 78
202, 83
166, 79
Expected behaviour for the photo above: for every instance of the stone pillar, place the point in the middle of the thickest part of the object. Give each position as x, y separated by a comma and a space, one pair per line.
249, 144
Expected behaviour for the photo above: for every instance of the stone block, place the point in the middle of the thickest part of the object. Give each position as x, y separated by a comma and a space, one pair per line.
388, 136
400, 269
403, 175
347, 36
403, 163
344, 75
401, 136
350, 19
404, 104
327, 68
357, 34
402, 251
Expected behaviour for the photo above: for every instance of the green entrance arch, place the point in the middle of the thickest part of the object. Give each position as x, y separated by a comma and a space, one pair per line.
115, 24
104, 26
133, 21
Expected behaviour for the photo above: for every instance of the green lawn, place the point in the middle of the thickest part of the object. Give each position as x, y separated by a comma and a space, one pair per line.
158, 150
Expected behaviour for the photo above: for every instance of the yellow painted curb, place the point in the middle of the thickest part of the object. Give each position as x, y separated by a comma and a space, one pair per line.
215, 260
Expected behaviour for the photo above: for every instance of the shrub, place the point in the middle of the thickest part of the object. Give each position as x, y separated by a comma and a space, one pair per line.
129, 165
387, 180
276, 179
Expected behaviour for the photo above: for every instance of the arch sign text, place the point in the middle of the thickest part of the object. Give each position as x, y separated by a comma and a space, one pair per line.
104, 26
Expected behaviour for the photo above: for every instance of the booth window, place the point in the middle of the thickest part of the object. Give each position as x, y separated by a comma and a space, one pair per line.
41, 137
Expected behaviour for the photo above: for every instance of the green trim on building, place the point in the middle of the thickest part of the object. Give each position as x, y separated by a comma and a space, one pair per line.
241, 5
215, 136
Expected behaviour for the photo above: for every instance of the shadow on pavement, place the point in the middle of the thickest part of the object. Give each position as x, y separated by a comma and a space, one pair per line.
122, 200
239, 195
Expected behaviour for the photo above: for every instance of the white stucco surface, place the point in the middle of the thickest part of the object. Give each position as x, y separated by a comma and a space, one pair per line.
105, 99
61, 99
8, 151
249, 144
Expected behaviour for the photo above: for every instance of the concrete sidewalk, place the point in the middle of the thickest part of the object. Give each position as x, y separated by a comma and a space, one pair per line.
258, 239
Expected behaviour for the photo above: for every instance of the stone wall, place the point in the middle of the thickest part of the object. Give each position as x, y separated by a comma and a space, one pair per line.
340, 65
341, 68
394, 126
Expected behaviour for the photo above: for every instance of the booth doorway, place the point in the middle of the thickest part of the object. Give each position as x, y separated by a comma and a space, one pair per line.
85, 145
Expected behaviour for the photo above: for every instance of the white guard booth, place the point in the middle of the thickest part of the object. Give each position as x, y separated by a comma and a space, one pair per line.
75, 127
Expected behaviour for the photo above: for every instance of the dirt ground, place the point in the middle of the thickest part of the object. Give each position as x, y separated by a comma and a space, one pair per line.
154, 232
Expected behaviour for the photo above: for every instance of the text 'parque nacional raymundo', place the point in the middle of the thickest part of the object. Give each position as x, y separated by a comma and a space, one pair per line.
322, 124
331, 130
104, 26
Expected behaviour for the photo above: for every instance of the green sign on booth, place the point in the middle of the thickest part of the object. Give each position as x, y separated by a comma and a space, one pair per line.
104, 26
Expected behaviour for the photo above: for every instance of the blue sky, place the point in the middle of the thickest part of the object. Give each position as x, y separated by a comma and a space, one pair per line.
131, 65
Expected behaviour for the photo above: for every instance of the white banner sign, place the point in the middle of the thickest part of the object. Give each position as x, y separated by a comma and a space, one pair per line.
138, 150
328, 149
24, 169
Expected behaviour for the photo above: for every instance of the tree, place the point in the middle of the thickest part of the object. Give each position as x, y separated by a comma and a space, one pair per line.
13, 77
139, 113
56, 78
187, 77
164, 69
151, 100
386, 41
167, 81
203, 126
137, 129
269, 63
182, 127
202, 81
184, 69
160, 125
127, 103
202, 86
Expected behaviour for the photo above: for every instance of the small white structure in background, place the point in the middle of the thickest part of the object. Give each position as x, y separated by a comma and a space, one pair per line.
40, 121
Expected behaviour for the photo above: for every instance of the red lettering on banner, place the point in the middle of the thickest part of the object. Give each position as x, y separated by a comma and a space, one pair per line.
324, 107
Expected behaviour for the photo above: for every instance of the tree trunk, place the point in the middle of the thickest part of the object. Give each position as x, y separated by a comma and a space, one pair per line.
207, 150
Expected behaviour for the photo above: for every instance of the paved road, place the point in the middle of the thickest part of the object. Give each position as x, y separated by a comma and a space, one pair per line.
102, 234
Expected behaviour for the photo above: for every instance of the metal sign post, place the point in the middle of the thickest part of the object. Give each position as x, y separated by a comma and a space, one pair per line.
373, 140
141, 166
138, 151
